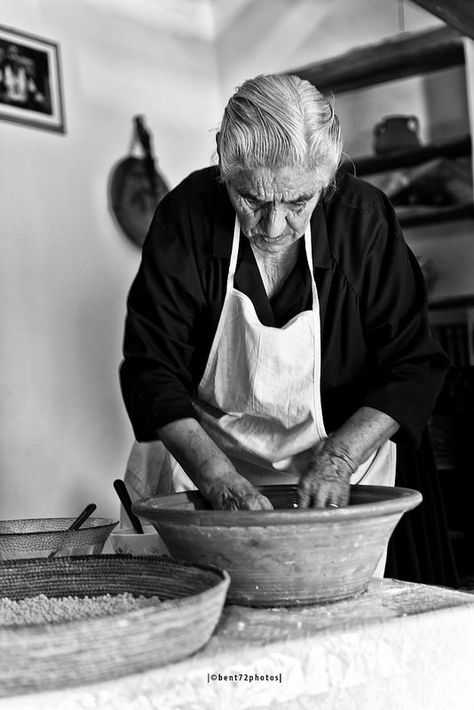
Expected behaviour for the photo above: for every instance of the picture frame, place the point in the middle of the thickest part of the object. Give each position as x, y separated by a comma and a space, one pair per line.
30, 81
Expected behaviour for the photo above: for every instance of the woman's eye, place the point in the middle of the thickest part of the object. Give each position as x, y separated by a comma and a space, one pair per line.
253, 204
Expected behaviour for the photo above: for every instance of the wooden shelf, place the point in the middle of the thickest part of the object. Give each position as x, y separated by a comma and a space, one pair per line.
406, 55
420, 215
457, 13
370, 165
452, 302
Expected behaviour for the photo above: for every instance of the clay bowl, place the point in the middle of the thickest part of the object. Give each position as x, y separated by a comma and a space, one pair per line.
286, 556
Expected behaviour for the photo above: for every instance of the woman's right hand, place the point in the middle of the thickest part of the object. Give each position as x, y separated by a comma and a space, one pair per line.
209, 468
230, 491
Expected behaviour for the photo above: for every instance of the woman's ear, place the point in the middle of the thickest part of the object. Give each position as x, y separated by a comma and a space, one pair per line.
218, 135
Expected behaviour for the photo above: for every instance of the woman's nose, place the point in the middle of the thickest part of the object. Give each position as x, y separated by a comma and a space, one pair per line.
274, 221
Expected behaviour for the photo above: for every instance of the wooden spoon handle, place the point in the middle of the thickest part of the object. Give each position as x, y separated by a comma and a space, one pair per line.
123, 494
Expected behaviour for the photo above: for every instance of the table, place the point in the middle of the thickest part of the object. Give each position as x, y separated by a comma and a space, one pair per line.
399, 646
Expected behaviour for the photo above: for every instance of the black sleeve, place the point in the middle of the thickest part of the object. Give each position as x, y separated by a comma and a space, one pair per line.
407, 363
164, 308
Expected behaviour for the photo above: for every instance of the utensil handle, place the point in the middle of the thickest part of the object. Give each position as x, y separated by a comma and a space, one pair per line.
123, 494
88, 510
75, 525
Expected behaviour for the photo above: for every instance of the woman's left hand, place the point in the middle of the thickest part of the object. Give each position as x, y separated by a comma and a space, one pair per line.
326, 481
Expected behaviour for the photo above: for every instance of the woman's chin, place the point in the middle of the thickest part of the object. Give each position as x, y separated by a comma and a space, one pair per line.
264, 243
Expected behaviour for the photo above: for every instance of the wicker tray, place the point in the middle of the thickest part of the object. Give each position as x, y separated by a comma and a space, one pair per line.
56, 655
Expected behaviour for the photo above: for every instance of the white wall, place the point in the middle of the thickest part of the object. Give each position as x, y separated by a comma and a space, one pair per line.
259, 36
64, 268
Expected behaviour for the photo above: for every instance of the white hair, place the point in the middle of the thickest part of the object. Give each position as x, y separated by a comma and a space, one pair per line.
279, 120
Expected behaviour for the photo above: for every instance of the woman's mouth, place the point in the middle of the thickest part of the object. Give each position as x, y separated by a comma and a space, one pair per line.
269, 240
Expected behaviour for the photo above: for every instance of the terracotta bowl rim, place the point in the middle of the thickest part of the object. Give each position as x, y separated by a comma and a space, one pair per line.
396, 500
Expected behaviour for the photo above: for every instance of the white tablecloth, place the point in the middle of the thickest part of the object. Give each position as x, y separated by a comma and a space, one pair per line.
399, 646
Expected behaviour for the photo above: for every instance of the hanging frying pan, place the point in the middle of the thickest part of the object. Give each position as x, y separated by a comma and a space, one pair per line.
135, 188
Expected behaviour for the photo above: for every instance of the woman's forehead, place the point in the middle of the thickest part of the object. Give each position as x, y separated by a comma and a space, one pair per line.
285, 183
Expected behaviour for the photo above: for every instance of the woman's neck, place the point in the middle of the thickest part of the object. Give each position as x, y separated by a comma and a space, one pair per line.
275, 267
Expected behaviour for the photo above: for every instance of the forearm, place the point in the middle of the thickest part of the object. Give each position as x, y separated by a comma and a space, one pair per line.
362, 434
202, 460
327, 479
209, 468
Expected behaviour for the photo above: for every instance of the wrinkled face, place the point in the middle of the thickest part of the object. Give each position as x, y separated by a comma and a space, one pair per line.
274, 206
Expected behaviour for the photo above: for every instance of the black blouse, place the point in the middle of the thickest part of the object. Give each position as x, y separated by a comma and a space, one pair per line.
378, 349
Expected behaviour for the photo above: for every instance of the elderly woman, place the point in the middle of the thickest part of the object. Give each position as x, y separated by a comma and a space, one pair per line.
277, 328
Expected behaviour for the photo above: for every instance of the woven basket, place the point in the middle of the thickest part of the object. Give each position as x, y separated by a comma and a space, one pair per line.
49, 656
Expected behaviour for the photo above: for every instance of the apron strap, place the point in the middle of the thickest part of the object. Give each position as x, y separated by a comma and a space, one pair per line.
316, 335
233, 256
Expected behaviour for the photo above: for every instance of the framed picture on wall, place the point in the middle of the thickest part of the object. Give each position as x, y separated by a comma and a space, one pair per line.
30, 81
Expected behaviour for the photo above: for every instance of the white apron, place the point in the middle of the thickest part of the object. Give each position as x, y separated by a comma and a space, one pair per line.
258, 399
